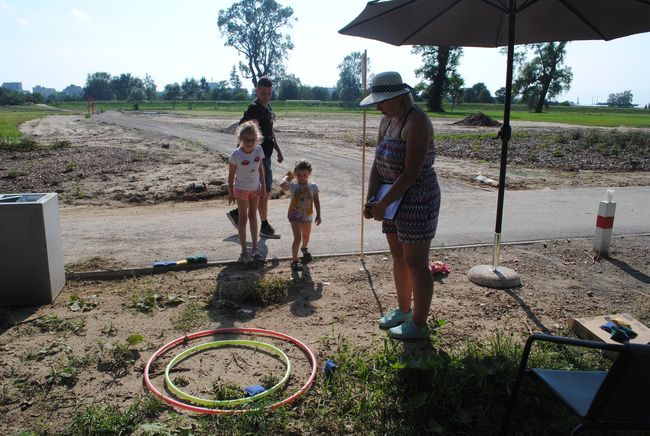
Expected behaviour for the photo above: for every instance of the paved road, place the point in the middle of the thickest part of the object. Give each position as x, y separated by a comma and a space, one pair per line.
139, 235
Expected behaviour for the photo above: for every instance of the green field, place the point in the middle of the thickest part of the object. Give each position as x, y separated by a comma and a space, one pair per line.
11, 117
578, 115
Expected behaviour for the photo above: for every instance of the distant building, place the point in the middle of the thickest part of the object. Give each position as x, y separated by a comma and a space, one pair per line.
13, 86
45, 92
73, 91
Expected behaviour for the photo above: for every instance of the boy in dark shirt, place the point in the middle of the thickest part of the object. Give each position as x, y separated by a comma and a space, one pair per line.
260, 111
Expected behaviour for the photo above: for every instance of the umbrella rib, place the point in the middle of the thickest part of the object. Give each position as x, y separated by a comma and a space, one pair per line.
500, 7
349, 26
430, 21
525, 5
583, 19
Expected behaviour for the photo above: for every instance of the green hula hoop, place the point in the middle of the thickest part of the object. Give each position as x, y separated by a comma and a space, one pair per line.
216, 344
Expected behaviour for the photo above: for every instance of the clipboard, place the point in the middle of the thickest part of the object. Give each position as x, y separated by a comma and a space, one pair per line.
392, 208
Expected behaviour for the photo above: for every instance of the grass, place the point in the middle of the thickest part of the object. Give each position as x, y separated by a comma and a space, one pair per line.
392, 388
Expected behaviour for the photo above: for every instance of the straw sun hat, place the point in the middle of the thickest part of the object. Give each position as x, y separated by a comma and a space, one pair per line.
384, 87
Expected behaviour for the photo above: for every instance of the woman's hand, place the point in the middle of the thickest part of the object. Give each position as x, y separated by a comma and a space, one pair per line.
367, 210
378, 209
231, 197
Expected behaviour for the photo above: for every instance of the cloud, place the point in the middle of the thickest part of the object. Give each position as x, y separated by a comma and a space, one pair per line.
79, 14
23, 22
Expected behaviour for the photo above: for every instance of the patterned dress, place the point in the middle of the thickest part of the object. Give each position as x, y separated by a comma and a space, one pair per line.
417, 217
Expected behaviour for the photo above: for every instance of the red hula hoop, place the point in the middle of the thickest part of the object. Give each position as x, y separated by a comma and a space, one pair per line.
244, 330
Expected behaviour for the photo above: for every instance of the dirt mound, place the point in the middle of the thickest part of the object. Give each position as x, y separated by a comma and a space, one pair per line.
478, 119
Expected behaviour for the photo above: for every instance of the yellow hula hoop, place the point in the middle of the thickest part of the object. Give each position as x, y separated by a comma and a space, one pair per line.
217, 344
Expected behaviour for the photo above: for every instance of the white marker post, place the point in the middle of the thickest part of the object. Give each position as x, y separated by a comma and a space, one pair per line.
604, 224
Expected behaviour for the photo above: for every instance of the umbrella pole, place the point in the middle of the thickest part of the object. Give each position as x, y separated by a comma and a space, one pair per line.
492, 275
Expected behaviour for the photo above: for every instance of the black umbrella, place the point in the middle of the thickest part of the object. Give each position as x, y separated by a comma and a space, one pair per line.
494, 23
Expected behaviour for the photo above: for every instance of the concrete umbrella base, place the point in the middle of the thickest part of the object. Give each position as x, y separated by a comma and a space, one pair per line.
485, 275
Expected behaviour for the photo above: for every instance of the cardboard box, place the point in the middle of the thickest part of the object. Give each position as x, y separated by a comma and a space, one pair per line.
589, 328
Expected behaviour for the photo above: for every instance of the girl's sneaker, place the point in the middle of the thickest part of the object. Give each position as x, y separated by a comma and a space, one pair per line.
408, 330
306, 255
394, 318
296, 265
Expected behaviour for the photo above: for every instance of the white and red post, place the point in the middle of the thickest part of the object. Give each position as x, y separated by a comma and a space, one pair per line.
604, 224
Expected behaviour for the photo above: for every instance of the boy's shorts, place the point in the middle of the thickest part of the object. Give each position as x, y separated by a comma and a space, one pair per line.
247, 194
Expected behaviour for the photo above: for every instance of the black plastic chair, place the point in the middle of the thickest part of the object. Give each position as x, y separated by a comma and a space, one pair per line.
614, 399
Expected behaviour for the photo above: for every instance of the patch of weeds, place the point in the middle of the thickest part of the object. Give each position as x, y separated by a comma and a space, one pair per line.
223, 391
69, 167
50, 350
558, 152
151, 301
272, 290
109, 330
117, 357
78, 192
79, 304
23, 143
13, 174
66, 373
189, 318
87, 115
255, 290
100, 419
181, 381
60, 144
54, 324
269, 380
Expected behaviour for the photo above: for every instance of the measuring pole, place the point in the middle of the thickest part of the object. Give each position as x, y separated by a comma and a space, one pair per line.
363, 148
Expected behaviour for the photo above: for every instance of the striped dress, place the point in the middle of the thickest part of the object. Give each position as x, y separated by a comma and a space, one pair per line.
417, 217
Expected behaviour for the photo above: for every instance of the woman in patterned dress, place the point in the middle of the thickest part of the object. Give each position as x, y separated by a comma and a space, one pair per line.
404, 159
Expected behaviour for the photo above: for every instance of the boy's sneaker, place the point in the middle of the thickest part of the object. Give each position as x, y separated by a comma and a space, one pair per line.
233, 216
266, 231
394, 318
408, 330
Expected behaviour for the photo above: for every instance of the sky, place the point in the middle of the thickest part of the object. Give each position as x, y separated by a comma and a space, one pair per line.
57, 43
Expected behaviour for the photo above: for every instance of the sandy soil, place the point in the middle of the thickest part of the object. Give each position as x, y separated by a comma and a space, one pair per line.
331, 299
101, 164
60, 357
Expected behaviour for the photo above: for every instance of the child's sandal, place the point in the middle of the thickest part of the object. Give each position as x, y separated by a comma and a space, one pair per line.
296, 265
306, 255
257, 257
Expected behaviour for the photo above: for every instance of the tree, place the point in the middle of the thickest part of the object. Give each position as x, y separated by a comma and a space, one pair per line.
455, 89
253, 28
135, 97
204, 88
120, 85
98, 86
136, 93
320, 93
149, 88
172, 92
349, 85
440, 63
544, 76
500, 95
235, 81
289, 86
190, 90
621, 99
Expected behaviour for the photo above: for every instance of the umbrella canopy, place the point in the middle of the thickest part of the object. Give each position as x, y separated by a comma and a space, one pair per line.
494, 23
484, 23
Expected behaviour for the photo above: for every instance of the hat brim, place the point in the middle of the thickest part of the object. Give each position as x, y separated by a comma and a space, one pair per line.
378, 97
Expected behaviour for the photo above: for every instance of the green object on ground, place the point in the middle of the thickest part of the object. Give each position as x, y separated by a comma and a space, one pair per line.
200, 258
